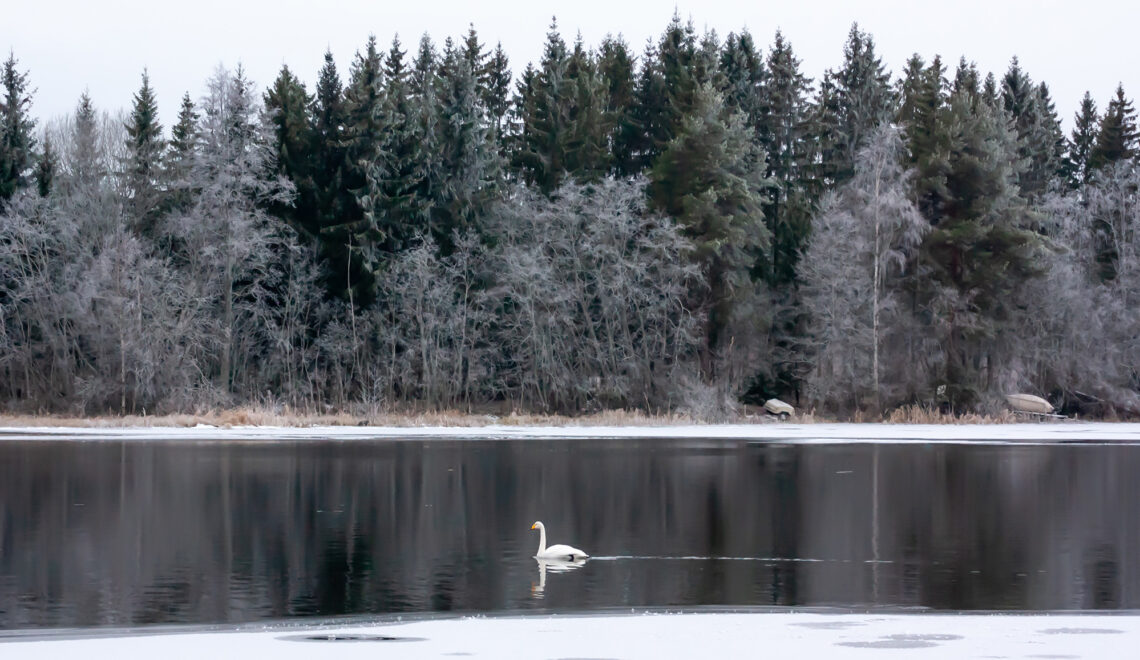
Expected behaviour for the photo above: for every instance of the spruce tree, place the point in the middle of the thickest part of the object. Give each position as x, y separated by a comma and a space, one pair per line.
17, 139
331, 197
650, 96
495, 89
143, 164
1082, 141
587, 146
928, 136
1117, 138
616, 69
86, 164
1038, 130
710, 180
362, 130
45, 169
180, 154
865, 97
288, 105
469, 159
546, 116
782, 134
743, 76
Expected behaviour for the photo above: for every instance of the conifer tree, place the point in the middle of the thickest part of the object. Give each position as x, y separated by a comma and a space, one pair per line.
1117, 138
1082, 141
1038, 130
980, 251
782, 134
17, 141
397, 200
744, 76
495, 88
650, 96
546, 117
865, 97
85, 164
288, 105
616, 69
710, 179
180, 153
928, 135
332, 199
45, 169
144, 158
362, 130
587, 146
469, 160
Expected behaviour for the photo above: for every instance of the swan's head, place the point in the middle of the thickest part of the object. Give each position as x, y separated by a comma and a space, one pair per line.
536, 525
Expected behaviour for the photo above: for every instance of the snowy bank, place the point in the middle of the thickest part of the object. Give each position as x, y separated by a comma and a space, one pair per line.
1043, 433
636, 636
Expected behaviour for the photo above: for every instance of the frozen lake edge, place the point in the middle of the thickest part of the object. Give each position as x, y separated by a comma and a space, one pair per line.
651, 634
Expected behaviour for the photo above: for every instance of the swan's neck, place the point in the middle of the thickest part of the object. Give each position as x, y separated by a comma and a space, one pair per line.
541, 540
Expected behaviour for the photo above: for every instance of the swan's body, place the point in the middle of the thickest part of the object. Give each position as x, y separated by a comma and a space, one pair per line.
559, 551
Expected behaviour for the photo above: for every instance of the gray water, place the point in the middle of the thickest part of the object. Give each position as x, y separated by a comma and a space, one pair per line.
145, 532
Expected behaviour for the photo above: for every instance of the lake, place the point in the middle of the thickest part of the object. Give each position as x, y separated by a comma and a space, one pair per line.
117, 533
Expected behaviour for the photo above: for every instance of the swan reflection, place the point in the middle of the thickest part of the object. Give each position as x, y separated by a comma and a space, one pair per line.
554, 566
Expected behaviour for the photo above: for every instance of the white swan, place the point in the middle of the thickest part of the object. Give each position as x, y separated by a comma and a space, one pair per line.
563, 552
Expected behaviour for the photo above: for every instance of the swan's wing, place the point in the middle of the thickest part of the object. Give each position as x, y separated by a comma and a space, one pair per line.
561, 550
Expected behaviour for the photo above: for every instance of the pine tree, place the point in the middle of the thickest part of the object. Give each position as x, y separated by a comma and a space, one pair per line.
677, 64
710, 179
1081, 143
1117, 138
143, 164
17, 141
288, 105
980, 251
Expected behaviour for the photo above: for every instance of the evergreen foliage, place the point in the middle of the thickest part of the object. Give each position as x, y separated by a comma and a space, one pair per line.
143, 164
17, 141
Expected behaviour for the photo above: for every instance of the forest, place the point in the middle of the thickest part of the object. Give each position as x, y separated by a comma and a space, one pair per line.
686, 228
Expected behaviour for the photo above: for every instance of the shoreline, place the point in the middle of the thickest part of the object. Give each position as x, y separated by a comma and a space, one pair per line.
788, 432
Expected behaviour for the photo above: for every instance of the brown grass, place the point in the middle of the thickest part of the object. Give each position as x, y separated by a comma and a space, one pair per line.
915, 414
283, 416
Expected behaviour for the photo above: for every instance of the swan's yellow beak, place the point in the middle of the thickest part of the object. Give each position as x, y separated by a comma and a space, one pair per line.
533, 527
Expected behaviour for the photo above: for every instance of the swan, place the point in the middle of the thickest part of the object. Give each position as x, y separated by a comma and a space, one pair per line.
563, 552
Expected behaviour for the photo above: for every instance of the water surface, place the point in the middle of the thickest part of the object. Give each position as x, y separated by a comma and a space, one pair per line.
108, 533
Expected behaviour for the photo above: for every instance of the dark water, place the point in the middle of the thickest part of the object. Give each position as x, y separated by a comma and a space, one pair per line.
112, 533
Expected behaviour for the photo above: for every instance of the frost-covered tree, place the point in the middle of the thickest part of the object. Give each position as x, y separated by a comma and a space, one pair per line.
864, 238
228, 242
590, 295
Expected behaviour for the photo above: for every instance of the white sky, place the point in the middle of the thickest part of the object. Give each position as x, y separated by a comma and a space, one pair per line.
104, 45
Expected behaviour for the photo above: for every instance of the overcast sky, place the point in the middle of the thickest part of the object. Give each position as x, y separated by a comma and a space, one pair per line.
103, 46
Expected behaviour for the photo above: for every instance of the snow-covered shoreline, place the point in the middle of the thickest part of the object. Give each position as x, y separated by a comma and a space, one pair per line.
1044, 433
639, 635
